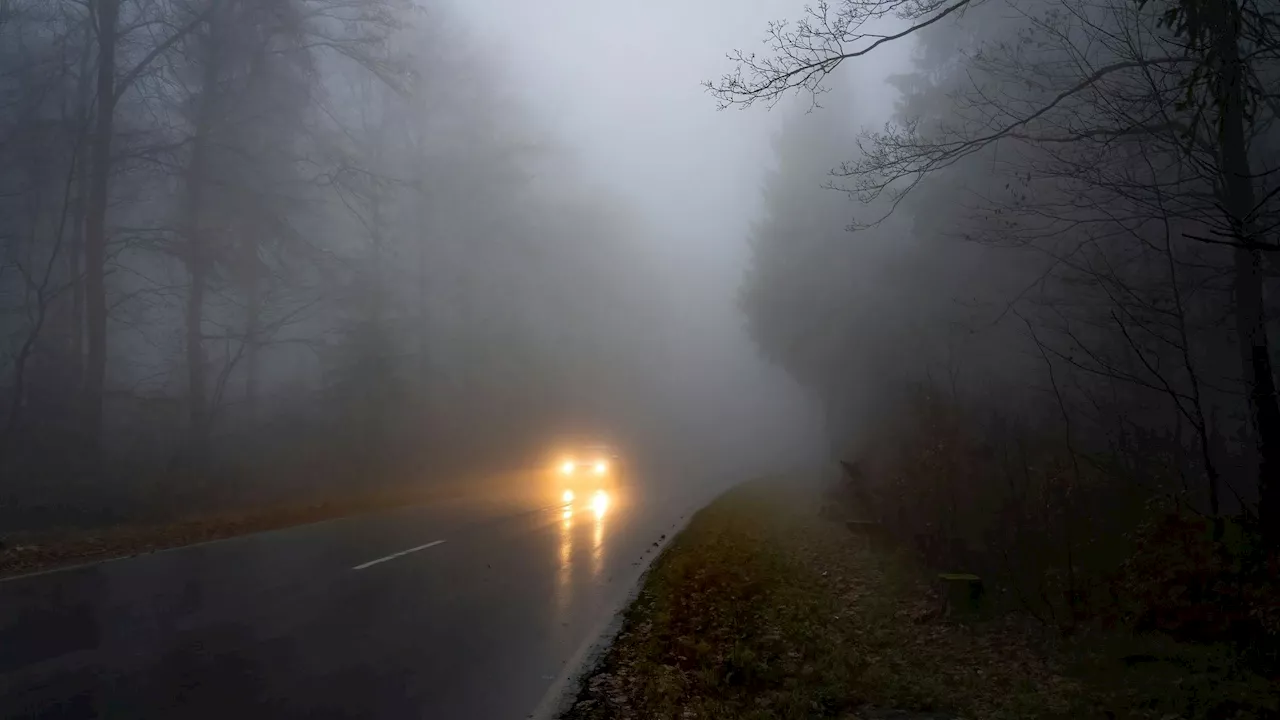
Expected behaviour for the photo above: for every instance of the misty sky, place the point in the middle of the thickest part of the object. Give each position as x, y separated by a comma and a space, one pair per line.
619, 86
620, 83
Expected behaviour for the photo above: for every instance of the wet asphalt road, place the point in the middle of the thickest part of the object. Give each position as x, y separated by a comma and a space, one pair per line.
479, 624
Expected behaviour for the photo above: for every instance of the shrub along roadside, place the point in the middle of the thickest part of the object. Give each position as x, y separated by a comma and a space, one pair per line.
761, 609
1077, 539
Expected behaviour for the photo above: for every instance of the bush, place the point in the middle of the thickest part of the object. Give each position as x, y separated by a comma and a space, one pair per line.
1073, 538
1182, 582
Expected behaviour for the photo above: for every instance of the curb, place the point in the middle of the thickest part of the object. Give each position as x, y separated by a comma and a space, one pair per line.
560, 696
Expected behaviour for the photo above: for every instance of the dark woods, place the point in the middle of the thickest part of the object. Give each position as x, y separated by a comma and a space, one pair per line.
1050, 338
252, 249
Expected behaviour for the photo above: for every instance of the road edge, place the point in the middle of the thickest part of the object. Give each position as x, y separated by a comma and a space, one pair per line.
560, 695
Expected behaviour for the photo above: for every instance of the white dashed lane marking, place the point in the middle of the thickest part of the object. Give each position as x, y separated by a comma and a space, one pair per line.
393, 556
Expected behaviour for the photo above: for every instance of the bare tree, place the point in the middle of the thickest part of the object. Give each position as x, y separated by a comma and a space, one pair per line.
1111, 79
1230, 42
112, 85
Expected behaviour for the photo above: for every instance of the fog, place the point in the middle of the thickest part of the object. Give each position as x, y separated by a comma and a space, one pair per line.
475, 304
622, 88
312, 240
432, 246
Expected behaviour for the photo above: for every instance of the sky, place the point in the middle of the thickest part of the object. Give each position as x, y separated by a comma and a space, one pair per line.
596, 72
620, 83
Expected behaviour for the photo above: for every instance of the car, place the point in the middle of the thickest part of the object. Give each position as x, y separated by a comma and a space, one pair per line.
587, 474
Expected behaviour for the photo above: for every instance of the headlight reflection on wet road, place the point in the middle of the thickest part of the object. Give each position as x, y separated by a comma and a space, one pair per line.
600, 503
564, 569
599, 506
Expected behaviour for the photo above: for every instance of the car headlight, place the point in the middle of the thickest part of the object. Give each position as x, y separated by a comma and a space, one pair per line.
567, 467
602, 467
567, 496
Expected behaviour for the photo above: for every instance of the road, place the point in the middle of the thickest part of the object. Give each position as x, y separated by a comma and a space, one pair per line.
470, 610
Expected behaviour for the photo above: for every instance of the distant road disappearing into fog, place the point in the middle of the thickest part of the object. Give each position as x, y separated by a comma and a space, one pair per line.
469, 610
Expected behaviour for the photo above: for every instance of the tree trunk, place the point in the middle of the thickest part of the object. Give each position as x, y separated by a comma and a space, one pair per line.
95, 236
425, 326
18, 402
252, 328
75, 253
829, 423
197, 257
1239, 201
198, 407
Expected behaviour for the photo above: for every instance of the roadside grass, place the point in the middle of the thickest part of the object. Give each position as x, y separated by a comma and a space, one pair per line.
22, 553
762, 609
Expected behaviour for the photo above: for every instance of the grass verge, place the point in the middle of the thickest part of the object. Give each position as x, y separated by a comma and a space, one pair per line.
762, 609
22, 553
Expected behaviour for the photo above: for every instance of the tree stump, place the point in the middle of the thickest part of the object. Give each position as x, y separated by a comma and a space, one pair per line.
961, 593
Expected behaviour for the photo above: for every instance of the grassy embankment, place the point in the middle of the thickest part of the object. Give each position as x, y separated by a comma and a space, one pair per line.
762, 609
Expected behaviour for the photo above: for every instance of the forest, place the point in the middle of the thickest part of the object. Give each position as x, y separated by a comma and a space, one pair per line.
256, 248
1037, 295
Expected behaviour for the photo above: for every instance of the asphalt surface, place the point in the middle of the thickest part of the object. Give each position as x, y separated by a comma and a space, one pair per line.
471, 610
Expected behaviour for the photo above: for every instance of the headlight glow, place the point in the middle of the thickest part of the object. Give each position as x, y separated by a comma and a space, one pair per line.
567, 467
600, 502
567, 496
601, 467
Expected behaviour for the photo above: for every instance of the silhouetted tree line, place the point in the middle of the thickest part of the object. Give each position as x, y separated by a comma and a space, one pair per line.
1046, 340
